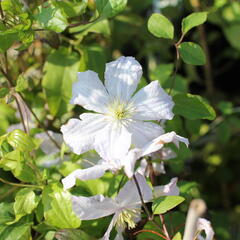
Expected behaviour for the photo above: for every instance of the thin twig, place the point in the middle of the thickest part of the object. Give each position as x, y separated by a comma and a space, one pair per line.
20, 184
150, 231
164, 226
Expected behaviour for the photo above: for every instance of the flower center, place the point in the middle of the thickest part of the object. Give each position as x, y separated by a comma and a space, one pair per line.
127, 218
120, 110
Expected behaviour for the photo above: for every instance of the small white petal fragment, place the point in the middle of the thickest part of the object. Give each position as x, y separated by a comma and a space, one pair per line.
170, 189
205, 225
122, 77
94, 172
158, 143
153, 103
90, 92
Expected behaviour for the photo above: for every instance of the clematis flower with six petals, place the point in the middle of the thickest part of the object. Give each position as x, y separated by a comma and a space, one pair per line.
121, 119
126, 207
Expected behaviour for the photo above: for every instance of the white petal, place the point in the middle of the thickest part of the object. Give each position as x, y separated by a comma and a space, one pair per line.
113, 142
129, 197
87, 208
94, 172
143, 132
158, 168
47, 145
122, 77
152, 103
89, 92
80, 134
164, 154
143, 169
157, 143
204, 224
170, 189
129, 161
110, 227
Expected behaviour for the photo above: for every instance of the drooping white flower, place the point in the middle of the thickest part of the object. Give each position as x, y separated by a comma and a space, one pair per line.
127, 161
126, 207
121, 120
205, 225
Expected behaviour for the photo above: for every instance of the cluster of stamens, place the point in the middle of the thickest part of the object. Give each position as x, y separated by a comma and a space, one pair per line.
127, 218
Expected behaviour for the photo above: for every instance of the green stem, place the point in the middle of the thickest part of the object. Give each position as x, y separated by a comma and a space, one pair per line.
20, 184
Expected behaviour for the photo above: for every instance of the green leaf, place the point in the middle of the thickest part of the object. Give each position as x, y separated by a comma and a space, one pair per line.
193, 107
60, 72
193, 20
6, 212
6, 40
20, 230
51, 18
22, 84
164, 204
25, 202
3, 92
20, 140
160, 26
58, 208
191, 53
177, 236
72, 234
17, 163
232, 34
110, 8
226, 107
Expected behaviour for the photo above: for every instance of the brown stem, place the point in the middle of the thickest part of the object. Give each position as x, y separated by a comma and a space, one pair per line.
164, 227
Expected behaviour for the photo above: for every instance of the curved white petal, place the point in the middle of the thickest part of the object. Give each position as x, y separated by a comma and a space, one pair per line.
87, 208
80, 134
122, 77
110, 227
129, 197
94, 172
158, 143
164, 154
170, 189
157, 167
204, 224
129, 161
152, 103
143, 132
113, 142
89, 92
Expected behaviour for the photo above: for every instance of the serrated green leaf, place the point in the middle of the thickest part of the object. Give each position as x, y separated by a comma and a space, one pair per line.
3, 92
193, 20
58, 208
25, 202
22, 84
164, 204
193, 107
160, 26
60, 72
20, 140
51, 18
192, 53
110, 8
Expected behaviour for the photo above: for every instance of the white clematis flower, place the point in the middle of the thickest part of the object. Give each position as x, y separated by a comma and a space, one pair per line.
126, 207
205, 225
127, 161
120, 119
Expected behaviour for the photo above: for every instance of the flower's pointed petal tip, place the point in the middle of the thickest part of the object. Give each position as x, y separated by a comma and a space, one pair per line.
122, 77
204, 224
68, 182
